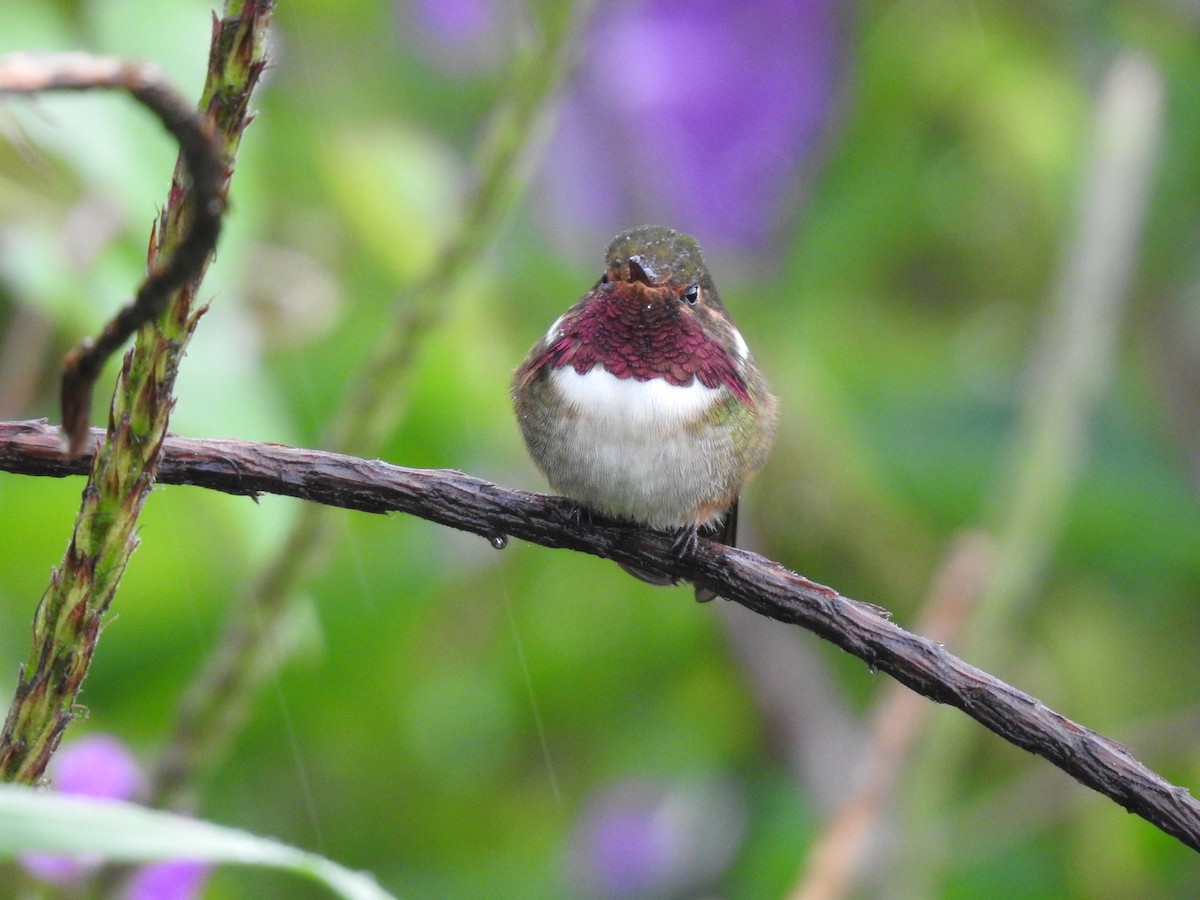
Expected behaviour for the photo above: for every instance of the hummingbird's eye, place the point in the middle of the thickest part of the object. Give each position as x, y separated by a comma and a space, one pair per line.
692, 294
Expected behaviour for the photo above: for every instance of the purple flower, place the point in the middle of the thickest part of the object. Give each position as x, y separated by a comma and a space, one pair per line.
455, 21
692, 113
649, 838
180, 880
94, 766
101, 766
64, 871
631, 850
458, 36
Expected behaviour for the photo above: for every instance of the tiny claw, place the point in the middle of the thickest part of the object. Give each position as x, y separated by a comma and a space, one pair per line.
686, 541
579, 515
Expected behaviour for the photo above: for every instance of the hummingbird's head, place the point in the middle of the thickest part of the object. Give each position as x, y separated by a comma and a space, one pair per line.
654, 314
660, 257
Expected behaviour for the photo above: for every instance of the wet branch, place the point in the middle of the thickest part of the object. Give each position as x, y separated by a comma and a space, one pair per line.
470, 504
30, 73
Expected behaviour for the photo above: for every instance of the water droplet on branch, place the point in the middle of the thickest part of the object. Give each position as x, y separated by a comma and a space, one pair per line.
499, 541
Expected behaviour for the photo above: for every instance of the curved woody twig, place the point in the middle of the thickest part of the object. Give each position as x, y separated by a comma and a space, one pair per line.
29, 73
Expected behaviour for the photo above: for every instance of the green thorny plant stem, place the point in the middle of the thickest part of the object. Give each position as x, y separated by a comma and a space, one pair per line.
217, 703
71, 612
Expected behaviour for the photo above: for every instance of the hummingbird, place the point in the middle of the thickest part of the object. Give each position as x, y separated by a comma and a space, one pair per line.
642, 402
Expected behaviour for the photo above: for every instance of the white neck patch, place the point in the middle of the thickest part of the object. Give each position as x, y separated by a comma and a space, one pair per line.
655, 403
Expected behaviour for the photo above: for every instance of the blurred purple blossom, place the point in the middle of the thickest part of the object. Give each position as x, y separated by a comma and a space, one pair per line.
630, 849
94, 766
177, 880
458, 36
697, 114
101, 766
642, 838
455, 21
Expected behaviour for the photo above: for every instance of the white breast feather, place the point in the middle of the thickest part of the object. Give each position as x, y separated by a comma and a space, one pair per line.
634, 404
632, 449
739, 346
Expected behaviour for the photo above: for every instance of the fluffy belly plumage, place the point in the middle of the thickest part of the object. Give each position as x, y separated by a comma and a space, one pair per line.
649, 451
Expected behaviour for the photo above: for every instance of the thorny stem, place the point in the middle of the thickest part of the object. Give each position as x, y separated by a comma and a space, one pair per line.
215, 705
68, 618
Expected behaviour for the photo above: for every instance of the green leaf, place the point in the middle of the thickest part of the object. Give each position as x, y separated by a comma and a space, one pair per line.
39, 821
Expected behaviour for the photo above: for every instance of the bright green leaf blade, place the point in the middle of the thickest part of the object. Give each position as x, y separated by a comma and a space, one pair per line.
39, 821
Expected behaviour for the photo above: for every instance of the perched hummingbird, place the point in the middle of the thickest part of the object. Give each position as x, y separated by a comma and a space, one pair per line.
642, 402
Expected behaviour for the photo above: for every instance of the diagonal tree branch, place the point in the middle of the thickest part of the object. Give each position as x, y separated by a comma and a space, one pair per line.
470, 504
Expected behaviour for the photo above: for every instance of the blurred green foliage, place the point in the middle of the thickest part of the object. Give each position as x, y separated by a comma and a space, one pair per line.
448, 714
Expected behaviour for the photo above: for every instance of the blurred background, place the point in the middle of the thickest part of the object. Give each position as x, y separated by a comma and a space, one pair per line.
962, 240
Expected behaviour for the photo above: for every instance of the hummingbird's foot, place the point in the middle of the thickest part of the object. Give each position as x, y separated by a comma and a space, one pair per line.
579, 516
686, 542
653, 577
687, 539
